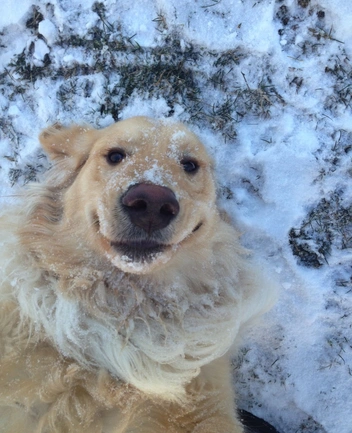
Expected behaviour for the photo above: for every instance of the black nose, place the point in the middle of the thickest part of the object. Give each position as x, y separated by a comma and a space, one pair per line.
150, 207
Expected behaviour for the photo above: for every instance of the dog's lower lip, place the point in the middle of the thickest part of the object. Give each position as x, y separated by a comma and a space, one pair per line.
142, 250
143, 244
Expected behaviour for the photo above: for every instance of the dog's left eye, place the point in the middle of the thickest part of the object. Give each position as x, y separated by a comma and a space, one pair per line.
190, 165
115, 156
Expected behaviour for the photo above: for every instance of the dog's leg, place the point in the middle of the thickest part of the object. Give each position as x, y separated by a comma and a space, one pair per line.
210, 409
215, 412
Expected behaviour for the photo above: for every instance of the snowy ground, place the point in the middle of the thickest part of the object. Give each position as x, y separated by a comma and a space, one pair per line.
268, 86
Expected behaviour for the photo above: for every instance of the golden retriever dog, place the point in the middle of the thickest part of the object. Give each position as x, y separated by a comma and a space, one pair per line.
123, 288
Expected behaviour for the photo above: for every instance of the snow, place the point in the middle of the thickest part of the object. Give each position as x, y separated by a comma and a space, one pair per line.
39, 52
295, 369
48, 30
11, 14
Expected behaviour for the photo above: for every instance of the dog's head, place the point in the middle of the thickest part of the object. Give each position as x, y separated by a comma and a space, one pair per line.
136, 197
138, 191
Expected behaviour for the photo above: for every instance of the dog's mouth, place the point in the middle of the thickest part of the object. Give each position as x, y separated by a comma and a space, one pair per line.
143, 250
136, 252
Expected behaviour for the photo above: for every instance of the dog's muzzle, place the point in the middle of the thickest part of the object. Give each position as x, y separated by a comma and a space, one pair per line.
149, 208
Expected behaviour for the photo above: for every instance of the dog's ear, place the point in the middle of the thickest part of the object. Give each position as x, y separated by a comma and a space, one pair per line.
74, 142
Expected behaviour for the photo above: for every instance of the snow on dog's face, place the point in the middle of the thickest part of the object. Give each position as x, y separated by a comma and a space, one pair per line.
141, 189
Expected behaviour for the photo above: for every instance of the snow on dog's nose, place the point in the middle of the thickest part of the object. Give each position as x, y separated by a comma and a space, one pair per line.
150, 207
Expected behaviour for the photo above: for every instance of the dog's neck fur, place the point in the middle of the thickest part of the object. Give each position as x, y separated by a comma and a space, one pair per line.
154, 332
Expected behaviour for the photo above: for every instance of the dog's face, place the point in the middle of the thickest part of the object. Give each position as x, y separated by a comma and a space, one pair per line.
142, 189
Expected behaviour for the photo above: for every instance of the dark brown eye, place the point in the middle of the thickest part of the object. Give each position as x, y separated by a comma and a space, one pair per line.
115, 156
190, 165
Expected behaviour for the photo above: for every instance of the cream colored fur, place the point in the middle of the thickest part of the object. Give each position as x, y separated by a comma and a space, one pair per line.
92, 341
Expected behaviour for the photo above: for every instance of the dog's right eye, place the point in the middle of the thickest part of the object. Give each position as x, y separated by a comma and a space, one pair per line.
190, 165
115, 156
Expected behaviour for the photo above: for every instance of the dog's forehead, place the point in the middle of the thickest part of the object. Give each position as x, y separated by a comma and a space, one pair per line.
149, 135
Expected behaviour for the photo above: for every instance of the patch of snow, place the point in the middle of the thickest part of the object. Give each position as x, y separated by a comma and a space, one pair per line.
48, 30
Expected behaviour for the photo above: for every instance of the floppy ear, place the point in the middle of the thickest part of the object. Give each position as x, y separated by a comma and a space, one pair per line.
74, 142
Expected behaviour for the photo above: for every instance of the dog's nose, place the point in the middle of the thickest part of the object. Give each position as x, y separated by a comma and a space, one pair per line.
150, 207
